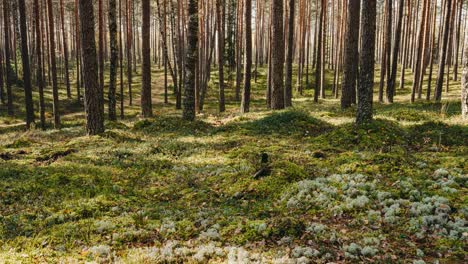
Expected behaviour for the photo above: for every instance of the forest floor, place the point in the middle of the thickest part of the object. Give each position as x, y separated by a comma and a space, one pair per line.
164, 190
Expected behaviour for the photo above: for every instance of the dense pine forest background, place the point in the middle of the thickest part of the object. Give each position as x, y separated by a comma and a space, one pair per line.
233, 131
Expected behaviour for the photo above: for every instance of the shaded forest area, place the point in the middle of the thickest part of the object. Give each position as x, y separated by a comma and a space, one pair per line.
233, 131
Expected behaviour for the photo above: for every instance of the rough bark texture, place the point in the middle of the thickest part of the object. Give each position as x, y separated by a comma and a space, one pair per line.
40, 80
26, 68
8, 69
464, 96
191, 61
92, 98
53, 65
101, 47
318, 53
396, 50
442, 59
366, 63
289, 57
219, 17
245, 103
277, 56
113, 59
350, 68
65, 50
146, 101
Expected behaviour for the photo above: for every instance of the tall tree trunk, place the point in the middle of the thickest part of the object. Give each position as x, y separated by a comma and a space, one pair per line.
318, 53
277, 56
146, 102
93, 95
366, 62
53, 64
351, 57
245, 104
129, 50
101, 47
396, 50
26, 68
464, 93
113, 59
8, 69
220, 18
65, 50
442, 58
191, 61
77, 52
289, 56
122, 108
457, 41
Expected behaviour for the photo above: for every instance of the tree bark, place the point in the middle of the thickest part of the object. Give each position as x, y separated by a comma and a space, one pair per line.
289, 57
464, 93
219, 18
26, 67
8, 69
245, 103
53, 64
146, 102
396, 50
366, 62
65, 50
113, 59
277, 56
442, 59
351, 55
191, 61
93, 94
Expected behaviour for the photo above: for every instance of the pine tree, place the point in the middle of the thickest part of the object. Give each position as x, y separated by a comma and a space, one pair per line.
146, 101
53, 64
191, 61
93, 95
245, 103
289, 56
350, 70
113, 59
366, 62
26, 68
277, 56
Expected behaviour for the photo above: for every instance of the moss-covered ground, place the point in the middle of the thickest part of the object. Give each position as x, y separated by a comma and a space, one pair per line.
164, 190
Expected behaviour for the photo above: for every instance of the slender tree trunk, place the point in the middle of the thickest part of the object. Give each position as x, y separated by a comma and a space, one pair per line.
191, 61
129, 50
53, 64
26, 68
351, 55
113, 59
77, 52
8, 69
277, 56
464, 92
366, 62
146, 102
289, 56
101, 47
245, 104
442, 58
65, 50
457, 41
122, 107
220, 18
93, 95
396, 50
318, 46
